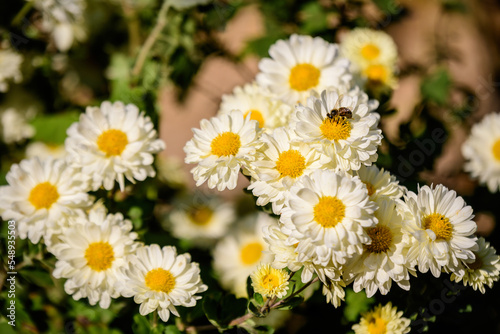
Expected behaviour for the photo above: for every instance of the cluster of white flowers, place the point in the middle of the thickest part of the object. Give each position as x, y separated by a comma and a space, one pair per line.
97, 252
307, 138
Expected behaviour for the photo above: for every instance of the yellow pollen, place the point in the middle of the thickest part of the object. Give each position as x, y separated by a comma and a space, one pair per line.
112, 142
270, 281
438, 224
160, 280
291, 163
251, 253
329, 211
377, 73
377, 326
43, 195
477, 264
304, 77
496, 150
370, 51
200, 215
225, 144
370, 187
99, 256
335, 129
256, 116
381, 239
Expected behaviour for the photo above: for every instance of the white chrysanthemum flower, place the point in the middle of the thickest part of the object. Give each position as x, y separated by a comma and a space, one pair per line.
326, 213
222, 146
15, 127
364, 47
238, 255
261, 104
43, 151
270, 282
281, 162
300, 65
485, 270
91, 254
380, 184
384, 259
383, 319
42, 195
482, 150
351, 140
201, 222
443, 228
159, 279
63, 20
113, 142
10, 68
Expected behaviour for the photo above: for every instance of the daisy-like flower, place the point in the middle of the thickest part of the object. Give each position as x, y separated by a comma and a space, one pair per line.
364, 47
63, 20
41, 195
334, 291
326, 213
270, 282
113, 142
484, 270
238, 254
302, 64
10, 63
201, 221
281, 162
383, 319
91, 254
383, 259
350, 139
380, 184
15, 127
482, 152
261, 104
379, 75
159, 279
443, 228
222, 146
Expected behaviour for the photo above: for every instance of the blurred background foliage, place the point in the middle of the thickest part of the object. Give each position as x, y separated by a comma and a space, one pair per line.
58, 86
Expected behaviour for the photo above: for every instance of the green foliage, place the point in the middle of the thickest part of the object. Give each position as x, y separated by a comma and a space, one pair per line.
221, 309
356, 303
51, 129
314, 19
436, 87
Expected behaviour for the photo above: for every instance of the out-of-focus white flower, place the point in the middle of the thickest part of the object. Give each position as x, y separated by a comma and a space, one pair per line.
15, 127
43, 150
10, 68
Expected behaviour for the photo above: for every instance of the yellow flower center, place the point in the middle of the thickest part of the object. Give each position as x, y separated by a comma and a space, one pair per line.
200, 215
440, 225
256, 116
496, 150
329, 211
251, 253
336, 128
304, 77
291, 163
370, 187
225, 144
112, 142
381, 239
377, 326
270, 281
370, 51
43, 195
377, 73
99, 256
477, 264
160, 280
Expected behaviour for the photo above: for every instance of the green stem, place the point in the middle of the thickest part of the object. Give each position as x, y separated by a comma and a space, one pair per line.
150, 41
22, 13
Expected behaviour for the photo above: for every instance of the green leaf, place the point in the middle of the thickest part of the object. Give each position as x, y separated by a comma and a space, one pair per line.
314, 18
258, 298
220, 310
255, 309
250, 291
210, 307
141, 324
291, 303
5, 328
436, 87
37, 277
51, 129
260, 46
172, 329
356, 303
